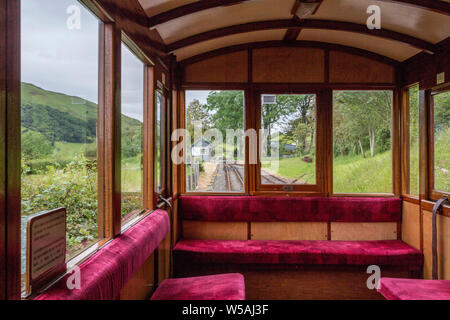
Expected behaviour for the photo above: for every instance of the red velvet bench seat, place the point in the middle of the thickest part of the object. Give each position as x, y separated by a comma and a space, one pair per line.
413, 289
216, 287
382, 253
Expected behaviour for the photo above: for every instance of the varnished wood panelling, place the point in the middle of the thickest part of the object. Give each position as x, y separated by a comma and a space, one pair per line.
411, 224
225, 68
164, 259
363, 231
288, 65
142, 284
443, 245
285, 282
347, 68
289, 231
215, 230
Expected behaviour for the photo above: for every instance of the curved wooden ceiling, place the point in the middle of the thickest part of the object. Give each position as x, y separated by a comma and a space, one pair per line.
189, 28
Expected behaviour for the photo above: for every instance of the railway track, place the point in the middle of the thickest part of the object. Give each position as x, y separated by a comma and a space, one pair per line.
233, 177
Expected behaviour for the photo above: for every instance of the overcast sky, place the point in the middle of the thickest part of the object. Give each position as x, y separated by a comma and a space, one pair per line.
59, 59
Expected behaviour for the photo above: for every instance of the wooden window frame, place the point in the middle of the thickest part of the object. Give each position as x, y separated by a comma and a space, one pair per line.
395, 140
405, 143
165, 133
147, 134
321, 119
247, 125
432, 192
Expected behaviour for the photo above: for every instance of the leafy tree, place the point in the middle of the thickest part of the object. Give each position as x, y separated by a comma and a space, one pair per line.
226, 110
195, 111
362, 114
35, 145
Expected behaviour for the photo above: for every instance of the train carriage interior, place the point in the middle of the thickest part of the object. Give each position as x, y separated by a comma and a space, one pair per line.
225, 150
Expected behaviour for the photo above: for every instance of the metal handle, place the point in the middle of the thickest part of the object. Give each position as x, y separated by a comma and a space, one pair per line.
437, 207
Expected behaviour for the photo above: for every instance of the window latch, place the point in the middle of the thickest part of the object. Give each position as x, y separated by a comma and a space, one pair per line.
166, 201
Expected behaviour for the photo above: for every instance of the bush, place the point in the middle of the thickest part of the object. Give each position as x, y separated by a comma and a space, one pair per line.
74, 187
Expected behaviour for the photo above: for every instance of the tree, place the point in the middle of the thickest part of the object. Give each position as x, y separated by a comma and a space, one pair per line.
226, 109
196, 112
364, 114
35, 145
301, 118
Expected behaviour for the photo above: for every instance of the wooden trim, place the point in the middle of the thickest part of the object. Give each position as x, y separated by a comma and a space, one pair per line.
423, 145
433, 193
191, 8
97, 10
302, 24
280, 43
109, 128
396, 143
188, 9
10, 205
149, 96
320, 102
428, 206
437, 6
405, 141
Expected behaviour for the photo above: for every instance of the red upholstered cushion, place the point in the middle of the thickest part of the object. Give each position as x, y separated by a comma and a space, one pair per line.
412, 289
271, 209
105, 273
391, 252
217, 287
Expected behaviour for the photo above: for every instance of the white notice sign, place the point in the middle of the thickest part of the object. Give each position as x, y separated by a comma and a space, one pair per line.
46, 250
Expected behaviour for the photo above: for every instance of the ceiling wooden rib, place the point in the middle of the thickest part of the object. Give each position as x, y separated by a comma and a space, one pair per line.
303, 24
189, 8
282, 43
437, 6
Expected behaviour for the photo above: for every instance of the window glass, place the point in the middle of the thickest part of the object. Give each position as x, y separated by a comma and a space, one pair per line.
413, 126
362, 161
215, 153
59, 116
441, 116
288, 136
132, 130
159, 111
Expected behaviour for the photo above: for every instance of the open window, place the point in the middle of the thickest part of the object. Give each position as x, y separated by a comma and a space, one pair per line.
439, 144
362, 147
288, 137
215, 149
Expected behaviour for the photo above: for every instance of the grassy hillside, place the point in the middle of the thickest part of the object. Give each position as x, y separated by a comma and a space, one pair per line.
62, 117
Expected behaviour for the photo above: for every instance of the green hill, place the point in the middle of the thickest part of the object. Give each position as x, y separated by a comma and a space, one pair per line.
61, 117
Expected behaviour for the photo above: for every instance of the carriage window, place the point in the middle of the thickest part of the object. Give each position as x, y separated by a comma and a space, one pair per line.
413, 132
441, 125
59, 118
362, 161
132, 130
215, 153
159, 142
288, 139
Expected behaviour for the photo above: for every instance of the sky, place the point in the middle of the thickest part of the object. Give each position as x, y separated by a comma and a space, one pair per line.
65, 60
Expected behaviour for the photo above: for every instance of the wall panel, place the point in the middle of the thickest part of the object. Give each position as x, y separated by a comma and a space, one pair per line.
360, 231
289, 231
288, 65
411, 224
230, 67
142, 284
215, 230
348, 68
